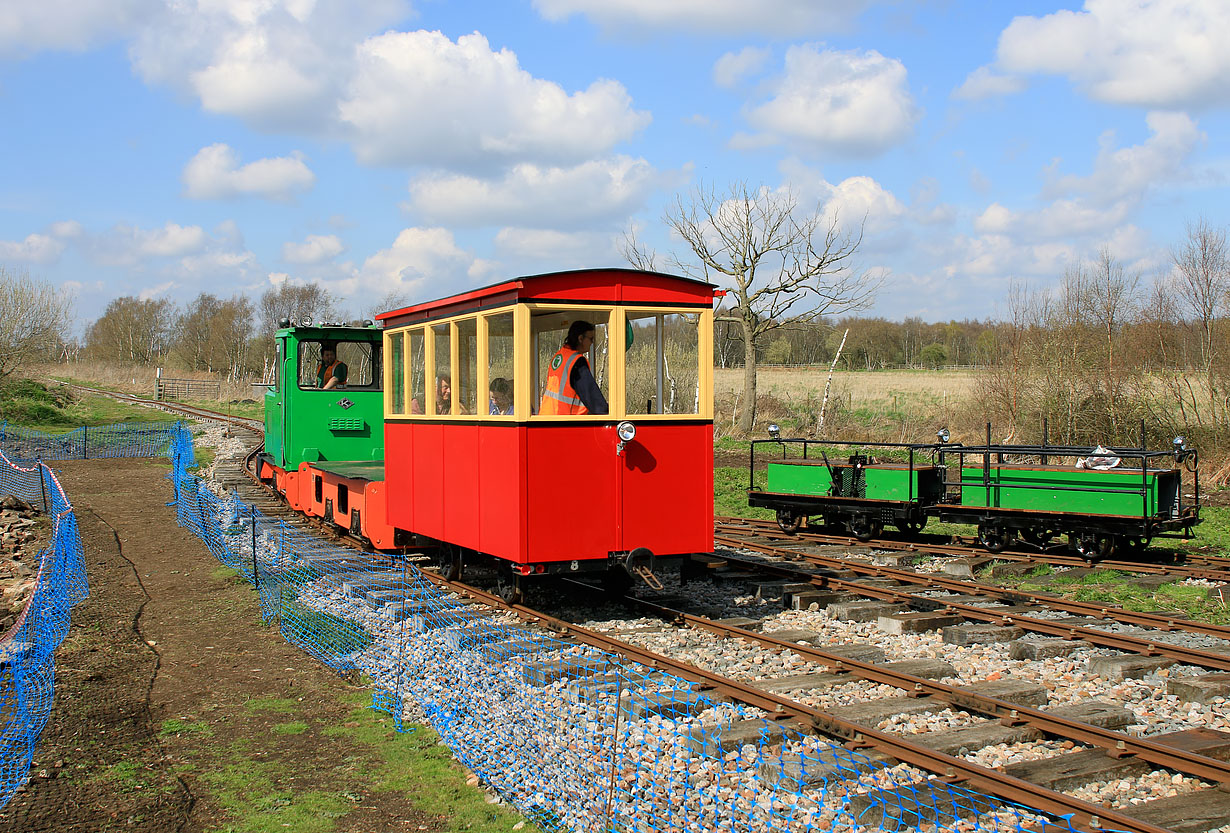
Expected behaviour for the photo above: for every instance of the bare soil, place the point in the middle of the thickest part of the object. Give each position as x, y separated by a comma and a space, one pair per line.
157, 722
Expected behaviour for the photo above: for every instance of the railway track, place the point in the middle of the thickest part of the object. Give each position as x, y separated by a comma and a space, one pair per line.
1184, 753
1184, 565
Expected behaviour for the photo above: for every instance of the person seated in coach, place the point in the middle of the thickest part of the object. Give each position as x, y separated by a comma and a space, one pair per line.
571, 388
501, 396
444, 398
331, 373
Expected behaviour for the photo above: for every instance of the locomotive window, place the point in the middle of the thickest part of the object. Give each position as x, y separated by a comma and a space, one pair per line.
548, 330
418, 374
662, 363
361, 359
500, 346
277, 365
465, 391
443, 398
397, 373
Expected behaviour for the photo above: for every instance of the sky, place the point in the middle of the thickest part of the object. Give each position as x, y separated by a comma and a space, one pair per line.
417, 148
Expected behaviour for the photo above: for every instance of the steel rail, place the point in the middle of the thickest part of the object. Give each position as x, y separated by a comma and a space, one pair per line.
1117, 743
934, 581
1120, 642
1216, 569
1083, 815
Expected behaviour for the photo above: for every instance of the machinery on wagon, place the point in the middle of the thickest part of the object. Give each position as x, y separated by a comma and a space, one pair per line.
1117, 499
451, 437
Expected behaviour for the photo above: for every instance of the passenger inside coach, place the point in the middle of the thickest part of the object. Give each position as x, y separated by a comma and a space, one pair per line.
501, 396
444, 398
571, 388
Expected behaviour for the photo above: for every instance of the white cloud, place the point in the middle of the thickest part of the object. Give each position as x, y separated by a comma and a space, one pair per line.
27, 27
733, 67
855, 102
418, 258
316, 248
557, 249
1150, 53
215, 173
418, 97
995, 219
129, 246
599, 191
1126, 172
35, 248
779, 17
860, 198
279, 64
984, 83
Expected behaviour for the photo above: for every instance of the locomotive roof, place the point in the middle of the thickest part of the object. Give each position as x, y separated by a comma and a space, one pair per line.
610, 286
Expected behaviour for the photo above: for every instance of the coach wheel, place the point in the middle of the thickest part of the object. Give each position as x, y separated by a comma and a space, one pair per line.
1037, 537
1131, 544
790, 521
508, 586
910, 526
993, 538
1093, 547
448, 561
864, 528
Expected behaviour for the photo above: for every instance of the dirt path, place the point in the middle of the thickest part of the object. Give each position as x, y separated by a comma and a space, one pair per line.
176, 710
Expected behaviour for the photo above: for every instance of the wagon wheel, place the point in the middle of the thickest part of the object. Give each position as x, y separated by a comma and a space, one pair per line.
1131, 545
910, 526
448, 561
993, 538
1092, 546
864, 528
508, 586
790, 521
1038, 537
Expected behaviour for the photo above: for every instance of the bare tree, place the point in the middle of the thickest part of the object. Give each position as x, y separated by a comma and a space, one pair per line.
34, 319
132, 330
783, 266
1202, 271
194, 331
298, 303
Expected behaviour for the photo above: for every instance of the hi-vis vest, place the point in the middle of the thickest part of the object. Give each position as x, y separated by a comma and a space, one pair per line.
326, 373
559, 397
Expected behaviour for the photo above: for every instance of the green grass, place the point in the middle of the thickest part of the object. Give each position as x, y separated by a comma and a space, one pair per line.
293, 727
246, 409
275, 705
54, 409
180, 727
730, 494
1116, 588
247, 789
416, 762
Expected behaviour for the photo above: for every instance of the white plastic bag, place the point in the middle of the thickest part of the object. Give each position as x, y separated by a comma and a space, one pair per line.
1100, 458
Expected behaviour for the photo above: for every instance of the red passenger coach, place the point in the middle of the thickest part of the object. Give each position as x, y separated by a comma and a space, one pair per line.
482, 456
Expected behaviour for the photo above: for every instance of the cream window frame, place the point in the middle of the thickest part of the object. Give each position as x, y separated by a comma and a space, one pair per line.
704, 357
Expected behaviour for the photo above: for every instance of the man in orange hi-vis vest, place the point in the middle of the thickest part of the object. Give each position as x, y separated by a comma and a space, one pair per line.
571, 388
331, 373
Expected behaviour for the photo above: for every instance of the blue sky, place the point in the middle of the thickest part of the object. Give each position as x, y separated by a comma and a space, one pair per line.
415, 148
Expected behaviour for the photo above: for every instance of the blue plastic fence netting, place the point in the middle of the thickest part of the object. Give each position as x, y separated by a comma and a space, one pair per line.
27, 661
575, 738
27, 651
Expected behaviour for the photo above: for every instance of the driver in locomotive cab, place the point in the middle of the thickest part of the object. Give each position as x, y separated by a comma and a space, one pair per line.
331, 373
571, 388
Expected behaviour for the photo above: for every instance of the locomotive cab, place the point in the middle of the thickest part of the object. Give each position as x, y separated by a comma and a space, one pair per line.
307, 422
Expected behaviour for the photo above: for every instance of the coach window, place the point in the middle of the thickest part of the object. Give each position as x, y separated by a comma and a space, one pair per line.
549, 328
500, 375
465, 390
662, 363
416, 349
442, 398
360, 357
397, 373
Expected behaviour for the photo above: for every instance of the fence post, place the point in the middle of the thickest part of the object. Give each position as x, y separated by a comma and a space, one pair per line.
42, 482
255, 575
85, 442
